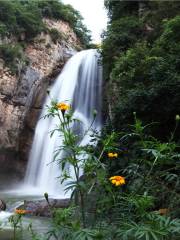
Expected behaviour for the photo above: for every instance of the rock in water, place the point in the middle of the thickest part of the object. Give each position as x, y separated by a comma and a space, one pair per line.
42, 208
2, 205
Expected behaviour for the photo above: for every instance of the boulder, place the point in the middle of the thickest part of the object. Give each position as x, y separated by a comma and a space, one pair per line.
42, 208
2, 205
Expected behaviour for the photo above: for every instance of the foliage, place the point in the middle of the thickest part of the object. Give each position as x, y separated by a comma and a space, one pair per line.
20, 17
156, 228
169, 40
120, 8
151, 168
145, 204
143, 70
56, 9
121, 34
74, 156
17, 17
55, 35
143, 74
13, 56
21, 21
149, 76
157, 13
16, 223
145, 207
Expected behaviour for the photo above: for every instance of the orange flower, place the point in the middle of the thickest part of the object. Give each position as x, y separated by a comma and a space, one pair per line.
112, 155
63, 106
21, 211
117, 180
163, 211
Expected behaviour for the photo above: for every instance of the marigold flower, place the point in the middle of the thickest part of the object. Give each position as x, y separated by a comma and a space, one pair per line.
21, 211
163, 211
117, 180
111, 155
63, 106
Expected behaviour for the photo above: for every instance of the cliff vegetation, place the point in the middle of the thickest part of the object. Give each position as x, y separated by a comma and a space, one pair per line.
22, 21
141, 62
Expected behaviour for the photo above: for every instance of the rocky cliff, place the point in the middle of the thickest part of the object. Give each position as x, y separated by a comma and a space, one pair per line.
22, 95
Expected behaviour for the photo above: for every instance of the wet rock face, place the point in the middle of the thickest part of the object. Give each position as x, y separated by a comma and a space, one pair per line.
22, 95
2, 205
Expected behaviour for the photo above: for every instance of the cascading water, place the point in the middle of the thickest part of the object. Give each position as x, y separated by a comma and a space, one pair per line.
80, 84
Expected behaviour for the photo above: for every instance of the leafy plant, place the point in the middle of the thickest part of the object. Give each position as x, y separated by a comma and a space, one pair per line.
13, 56
137, 206
55, 35
16, 222
75, 155
26, 17
141, 63
155, 227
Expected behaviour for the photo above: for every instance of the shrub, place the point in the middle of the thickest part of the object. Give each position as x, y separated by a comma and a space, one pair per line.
146, 80
12, 55
18, 17
56, 9
55, 35
145, 204
121, 35
2, 29
141, 62
21, 17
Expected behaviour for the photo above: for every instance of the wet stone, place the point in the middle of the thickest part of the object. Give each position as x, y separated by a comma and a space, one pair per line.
2, 205
42, 208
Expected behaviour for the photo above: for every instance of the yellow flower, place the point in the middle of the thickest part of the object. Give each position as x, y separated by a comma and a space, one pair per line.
21, 211
63, 106
111, 155
117, 180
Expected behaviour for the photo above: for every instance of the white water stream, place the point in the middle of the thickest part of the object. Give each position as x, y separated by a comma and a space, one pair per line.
79, 84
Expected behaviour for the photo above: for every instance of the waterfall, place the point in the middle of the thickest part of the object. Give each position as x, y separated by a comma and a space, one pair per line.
80, 84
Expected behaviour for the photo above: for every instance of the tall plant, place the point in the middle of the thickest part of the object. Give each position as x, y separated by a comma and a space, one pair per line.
76, 156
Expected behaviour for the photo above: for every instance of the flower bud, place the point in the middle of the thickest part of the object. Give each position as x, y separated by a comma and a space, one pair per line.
46, 197
177, 117
94, 112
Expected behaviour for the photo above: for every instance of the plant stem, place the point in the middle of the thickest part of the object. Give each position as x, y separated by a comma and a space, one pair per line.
14, 233
82, 208
173, 133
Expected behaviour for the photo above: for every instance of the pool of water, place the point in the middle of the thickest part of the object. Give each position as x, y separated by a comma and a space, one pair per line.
13, 199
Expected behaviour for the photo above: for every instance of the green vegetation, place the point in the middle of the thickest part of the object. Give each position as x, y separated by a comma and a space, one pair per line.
20, 17
121, 35
17, 17
13, 55
55, 35
141, 61
57, 10
129, 189
23, 20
